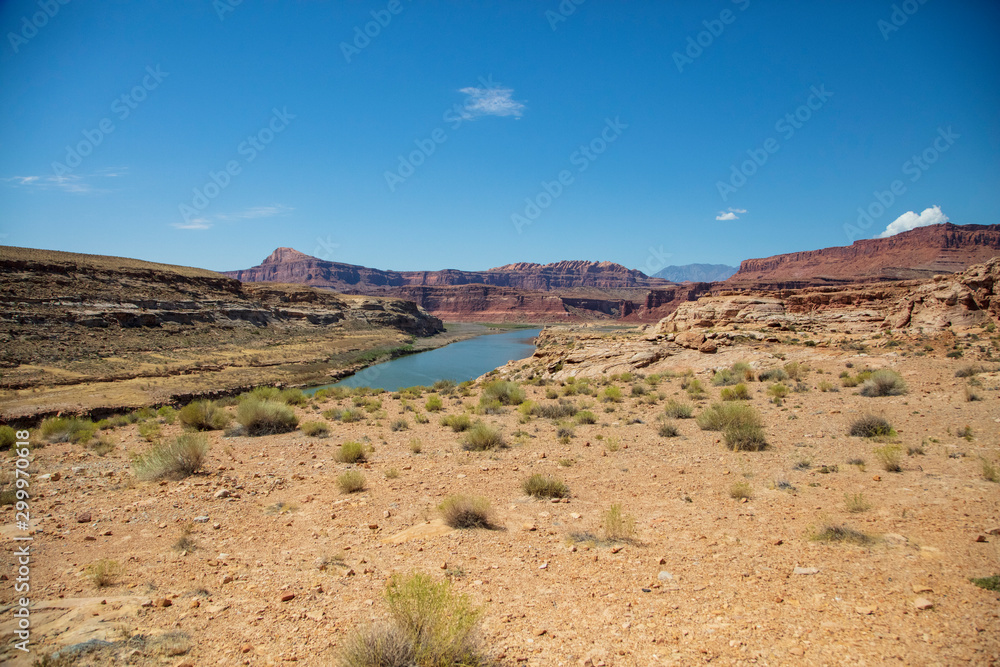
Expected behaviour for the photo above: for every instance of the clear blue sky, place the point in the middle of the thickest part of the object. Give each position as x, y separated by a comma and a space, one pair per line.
513, 99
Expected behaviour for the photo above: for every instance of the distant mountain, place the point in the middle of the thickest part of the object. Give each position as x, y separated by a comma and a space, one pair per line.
918, 253
697, 273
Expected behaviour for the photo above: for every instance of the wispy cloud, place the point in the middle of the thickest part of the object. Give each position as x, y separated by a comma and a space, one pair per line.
730, 214
75, 183
491, 100
910, 220
249, 213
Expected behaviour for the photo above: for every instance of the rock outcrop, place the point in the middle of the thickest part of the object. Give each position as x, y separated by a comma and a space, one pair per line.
918, 253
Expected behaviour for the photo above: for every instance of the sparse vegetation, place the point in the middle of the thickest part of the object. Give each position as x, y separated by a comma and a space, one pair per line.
617, 525
399, 425
871, 426
667, 430
738, 372
890, 457
351, 481
457, 423
843, 534
856, 503
434, 403
506, 392
181, 457
461, 511
265, 417
884, 382
104, 572
8, 437
611, 394
737, 392
67, 429
481, 436
204, 416
991, 583
541, 486
740, 490
315, 429
677, 410
990, 470
586, 417
721, 415
351, 452
773, 375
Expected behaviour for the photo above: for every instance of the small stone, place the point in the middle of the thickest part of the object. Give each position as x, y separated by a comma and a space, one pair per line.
195, 604
778, 543
200, 519
922, 604
222, 493
663, 561
797, 650
164, 602
865, 611
540, 631
226, 579
373, 526
920, 588
444, 565
84, 517
287, 597
665, 576
805, 570
616, 549
89, 538
529, 527
980, 538
543, 566
386, 514
216, 526
246, 648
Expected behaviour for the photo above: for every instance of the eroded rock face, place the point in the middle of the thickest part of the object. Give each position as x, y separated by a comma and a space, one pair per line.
968, 299
918, 253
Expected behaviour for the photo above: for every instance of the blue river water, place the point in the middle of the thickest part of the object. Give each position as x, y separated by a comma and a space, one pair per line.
464, 360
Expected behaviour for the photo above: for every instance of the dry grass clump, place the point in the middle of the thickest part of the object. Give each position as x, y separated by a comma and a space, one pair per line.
481, 437
461, 511
740, 490
315, 429
457, 423
351, 452
991, 472
541, 486
740, 424
677, 410
559, 410
266, 417
431, 626
773, 375
971, 395
67, 429
399, 425
989, 583
434, 403
618, 526
738, 372
890, 457
745, 437
351, 481
504, 391
204, 416
104, 572
871, 426
737, 392
856, 503
884, 382
667, 430
611, 394
8, 437
181, 457
843, 534
586, 417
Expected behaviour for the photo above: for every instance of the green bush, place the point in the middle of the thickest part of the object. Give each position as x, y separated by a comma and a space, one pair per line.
457, 423
351, 452
434, 403
508, 393
739, 372
149, 431
204, 416
586, 417
773, 375
293, 396
7, 437
265, 417
667, 430
735, 393
315, 429
481, 436
871, 426
721, 415
167, 413
67, 429
677, 410
351, 481
611, 394
989, 583
467, 512
541, 486
181, 457
777, 392
884, 382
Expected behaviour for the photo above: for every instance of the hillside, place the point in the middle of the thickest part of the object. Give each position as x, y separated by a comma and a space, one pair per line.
918, 253
697, 273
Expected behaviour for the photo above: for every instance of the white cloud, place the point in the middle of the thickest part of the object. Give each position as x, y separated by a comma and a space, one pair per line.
250, 213
490, 100
75, 183
910, 220
730, 214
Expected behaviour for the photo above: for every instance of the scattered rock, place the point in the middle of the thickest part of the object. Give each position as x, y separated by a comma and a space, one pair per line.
200, 519
222, 493
922, 604
287, 597
84, 517
805, 570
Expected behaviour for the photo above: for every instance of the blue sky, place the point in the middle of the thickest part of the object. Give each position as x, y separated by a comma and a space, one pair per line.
470, 135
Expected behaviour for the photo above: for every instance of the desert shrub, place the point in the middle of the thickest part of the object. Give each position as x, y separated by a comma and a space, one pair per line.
611, 394
444, 386
508, 393
826, 385
989, 583
677, 410
348, 416
777, 392
67, 429
721, 415
856, 503
481, 436
261, 394
541, 486
773, 375
558, 410
421, 418
149, 431
167, 413
971, 395
871, 426
740, 490
744, 437
564, 433
416, 446
457, 423
467, 512
101, 445
399, 425
104, 572
737, 392
954, 354
796, 371
693, 387
351, 481
351, 452
181, 457
203, 416
638, 390
378, 646
266, 417
890, 457
884, 382
315, 429
843, 534
667, 430
969, 371
293, 396
991, 472
586, 417
434, 403
617, 525
738, 372
7, 437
